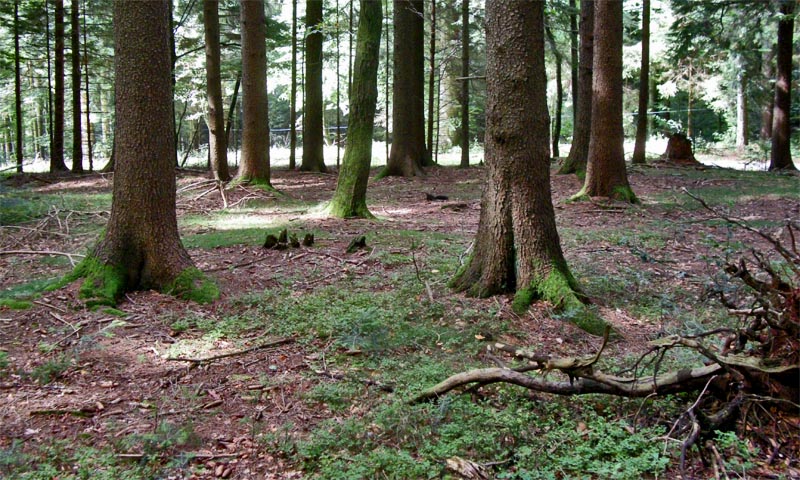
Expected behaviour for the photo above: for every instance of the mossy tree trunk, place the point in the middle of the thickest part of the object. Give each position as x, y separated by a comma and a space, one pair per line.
606, 175
408, 154
218, 145
313, 135
57, 155
644, 86
781, 155
350, 198
254, 166
579, 151
141, 247
77, 146
517, 248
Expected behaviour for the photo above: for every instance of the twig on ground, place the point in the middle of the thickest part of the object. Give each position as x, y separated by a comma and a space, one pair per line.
42, 252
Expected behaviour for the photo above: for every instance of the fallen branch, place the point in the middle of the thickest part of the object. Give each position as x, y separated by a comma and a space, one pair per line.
42, 252
274, 343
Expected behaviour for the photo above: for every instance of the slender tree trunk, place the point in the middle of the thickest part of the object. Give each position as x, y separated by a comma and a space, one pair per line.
350, 50
350, 198
386, 80
232, 110
517, 247
141, 248
86, 83
173, 78
77, 140
559, 91
644, 85
338, 90
57, 156
768, 69
781, 155
579, 151
573, 57
465, 84
431, 80
255, 135
293, 94
689, 101
215, 117
408, 153
741, 112
313, 135
606, 175
49, 85
17, 88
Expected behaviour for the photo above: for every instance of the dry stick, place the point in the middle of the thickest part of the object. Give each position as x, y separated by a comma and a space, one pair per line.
42, 252
273, 343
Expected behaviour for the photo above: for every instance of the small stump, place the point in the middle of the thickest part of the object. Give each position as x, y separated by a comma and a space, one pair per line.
679, 150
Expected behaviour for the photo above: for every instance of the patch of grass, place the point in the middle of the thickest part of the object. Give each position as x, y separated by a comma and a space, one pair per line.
4, 363
21, 206
15, 304
51, 370
226, 238
30, 290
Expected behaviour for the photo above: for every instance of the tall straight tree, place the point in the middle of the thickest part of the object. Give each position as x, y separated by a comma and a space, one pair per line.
579, 151
88, 112
217, 143
254, 167
408, 154
781, 155
57, 155
141, 247
551, 40
644, 86
517, 248
313, 138
75, 41
606, 175
350, 198
573, 56
17, 88
464, 83
293, 94
431, 79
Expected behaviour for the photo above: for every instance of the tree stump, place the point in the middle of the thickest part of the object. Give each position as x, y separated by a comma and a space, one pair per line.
679, 150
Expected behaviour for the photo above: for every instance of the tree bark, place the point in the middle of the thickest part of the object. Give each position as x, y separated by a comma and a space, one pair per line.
741, 111
579, 151
431, 81
644, 86
465, 83
254, 166
517, 248
57, 163
768, 69
573, 57
313, 135
88, 112
293, 93
141, 247
215, 118
77, 141
551, 39
606, 175
232, 109
49, 83
350, 200
17, 89
408, 154
781, 155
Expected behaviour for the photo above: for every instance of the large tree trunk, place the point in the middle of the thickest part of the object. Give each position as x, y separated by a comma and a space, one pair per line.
313, 135
559, 91
254, 166
579, 151
408, 153
644, 86
431, 82
781, 156
350, 198
464, 83
606, 175
57, 155
293, 94
517, 247
217, 143
17, 89
77, 145
141, 247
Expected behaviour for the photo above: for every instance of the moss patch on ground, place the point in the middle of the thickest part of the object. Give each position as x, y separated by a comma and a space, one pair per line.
192, 284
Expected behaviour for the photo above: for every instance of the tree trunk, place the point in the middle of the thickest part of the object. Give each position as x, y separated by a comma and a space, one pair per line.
49, 84
408, 153
431, 81
741, 112
768, 69
232, 109
86, 83
644, 86
781, 156
313, 136
606, 175
573, 57
141, 247
559, 91
517, 247
215, 118
293, 94
579, 151
350, 198
254, 167
465, 84
338, 89
77, 142
17, 88
57, 155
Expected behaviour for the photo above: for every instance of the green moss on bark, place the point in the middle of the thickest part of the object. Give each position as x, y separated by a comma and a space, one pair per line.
192, 284
103, 284
624, 193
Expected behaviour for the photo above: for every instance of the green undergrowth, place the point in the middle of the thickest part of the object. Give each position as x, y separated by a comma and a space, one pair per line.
21, 205
21, 296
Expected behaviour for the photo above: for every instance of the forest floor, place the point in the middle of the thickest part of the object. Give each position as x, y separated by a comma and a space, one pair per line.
303, 367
